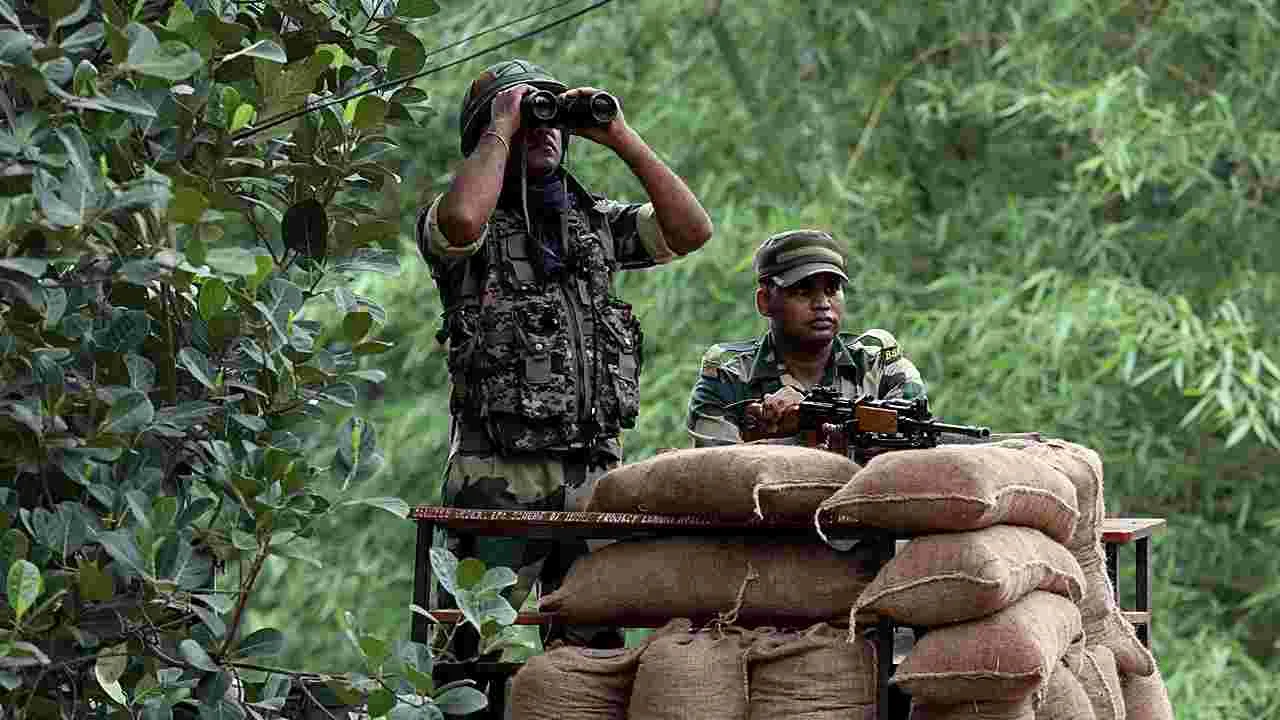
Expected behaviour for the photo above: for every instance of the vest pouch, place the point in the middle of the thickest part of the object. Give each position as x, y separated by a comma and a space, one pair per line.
621, 347
520, 254
536, 381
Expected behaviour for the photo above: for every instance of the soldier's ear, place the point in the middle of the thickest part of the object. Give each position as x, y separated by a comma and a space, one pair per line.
762, 300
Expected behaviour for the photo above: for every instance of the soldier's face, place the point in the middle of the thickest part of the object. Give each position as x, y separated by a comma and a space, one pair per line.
543, 149
808, 311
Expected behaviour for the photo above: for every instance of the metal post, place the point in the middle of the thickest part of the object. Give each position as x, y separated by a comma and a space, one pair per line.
420, 627
885, 548
1144, 589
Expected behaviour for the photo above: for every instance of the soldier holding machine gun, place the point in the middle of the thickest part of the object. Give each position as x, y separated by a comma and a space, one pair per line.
804, 377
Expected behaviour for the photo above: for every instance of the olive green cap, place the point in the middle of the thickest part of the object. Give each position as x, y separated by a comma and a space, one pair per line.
789, 257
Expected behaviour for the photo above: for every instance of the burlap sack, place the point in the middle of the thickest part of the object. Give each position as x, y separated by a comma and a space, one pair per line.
1103, 623
1007, 656
1065, 698
768, 583
1101, 682
956, 488
1019, 710
1113, 631
685, 674
817, 674
571, 683
1083, 467
1146, 698
736, 481
952, 577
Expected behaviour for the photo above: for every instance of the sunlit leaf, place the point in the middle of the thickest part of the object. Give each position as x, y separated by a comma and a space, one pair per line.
23, 587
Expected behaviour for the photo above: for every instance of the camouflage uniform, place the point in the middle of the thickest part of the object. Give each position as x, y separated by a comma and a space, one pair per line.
870, 363
544, 369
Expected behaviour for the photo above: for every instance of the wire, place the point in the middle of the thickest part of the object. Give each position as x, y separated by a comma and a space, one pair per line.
292, 114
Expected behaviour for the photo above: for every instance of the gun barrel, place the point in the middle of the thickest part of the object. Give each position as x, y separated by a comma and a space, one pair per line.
967, 430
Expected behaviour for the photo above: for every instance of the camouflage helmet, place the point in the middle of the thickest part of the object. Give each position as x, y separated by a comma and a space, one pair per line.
474, 115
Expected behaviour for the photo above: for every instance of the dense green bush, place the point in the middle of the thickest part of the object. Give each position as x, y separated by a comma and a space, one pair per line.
167, 391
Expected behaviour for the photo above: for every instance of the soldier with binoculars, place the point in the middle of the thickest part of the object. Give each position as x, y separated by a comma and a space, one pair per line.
544, 358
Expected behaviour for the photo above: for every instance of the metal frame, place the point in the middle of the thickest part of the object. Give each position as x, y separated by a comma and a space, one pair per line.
1122, 531
592, 525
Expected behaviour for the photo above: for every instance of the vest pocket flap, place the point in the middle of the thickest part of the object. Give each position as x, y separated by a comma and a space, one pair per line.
536, 351
537, 368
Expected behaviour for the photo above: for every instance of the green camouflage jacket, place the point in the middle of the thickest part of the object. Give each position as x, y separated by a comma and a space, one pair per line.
870, 364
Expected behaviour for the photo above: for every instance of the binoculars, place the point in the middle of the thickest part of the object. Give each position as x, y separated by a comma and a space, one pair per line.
540, 108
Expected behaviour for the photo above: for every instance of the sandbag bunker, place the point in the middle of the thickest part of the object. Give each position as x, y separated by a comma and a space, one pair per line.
1002, 578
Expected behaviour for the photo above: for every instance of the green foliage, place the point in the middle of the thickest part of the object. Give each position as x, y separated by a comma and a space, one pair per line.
1064, 211
164, 392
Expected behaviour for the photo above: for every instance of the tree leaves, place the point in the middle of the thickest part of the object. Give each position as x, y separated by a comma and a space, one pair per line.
195, 363
393, 505
461, 701
109, 668
131, 413
261, 643
170, 60
23, 587
122, 548
417, 8
193, 653
263, 49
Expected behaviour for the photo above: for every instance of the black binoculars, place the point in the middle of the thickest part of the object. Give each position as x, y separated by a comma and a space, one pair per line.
541, 108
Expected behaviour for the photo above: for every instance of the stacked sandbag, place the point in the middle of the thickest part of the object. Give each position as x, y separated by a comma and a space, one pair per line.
1065, 698
817, 674
1096, 669
1103, 622
685, 673
1019, 710
1146, 698
732, 482
1144, 695
947, 578
1005, 657
954, 488
572, 683
642, 581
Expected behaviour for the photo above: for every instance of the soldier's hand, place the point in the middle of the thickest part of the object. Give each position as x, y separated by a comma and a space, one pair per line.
783, 408
610, 134
504, 111
778, 413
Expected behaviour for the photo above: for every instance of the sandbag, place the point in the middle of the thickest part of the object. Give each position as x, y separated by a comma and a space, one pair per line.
686, 674
952, 577
1007, 656
1065, 698
818, 674
1116, 633
735, 481
955, 488
1103, 622
572, 683
1020, 710
644, 581
1083, 467
1146, 698
1101, 682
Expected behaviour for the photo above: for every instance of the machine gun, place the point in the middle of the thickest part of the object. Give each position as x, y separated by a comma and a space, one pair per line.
863, 428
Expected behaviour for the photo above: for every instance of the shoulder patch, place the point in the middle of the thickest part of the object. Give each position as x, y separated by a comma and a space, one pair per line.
876, 338
726, 356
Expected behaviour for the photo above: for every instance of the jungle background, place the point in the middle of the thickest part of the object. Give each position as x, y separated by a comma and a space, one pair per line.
1066, 211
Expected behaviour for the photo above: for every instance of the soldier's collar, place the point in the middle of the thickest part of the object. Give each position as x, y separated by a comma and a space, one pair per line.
767, 364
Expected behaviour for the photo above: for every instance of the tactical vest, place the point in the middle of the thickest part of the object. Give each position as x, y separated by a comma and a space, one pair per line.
541, 364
